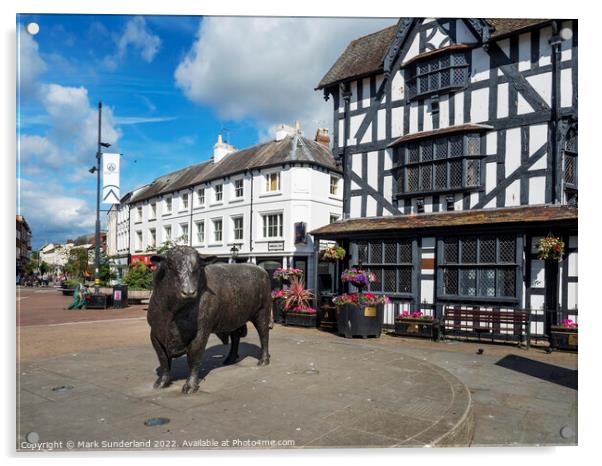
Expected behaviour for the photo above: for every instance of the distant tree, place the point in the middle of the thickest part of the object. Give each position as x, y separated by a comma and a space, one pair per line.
44, 267
165, 246
105, 272
83, 239
77, 263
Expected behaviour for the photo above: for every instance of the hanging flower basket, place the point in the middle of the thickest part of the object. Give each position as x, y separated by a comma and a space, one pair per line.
550, 248
358, 278
332, 254
286, 275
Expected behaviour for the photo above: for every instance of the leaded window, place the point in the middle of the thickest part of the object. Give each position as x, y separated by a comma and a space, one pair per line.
392, 263
570, 159
438, 74
479, 267
440, 165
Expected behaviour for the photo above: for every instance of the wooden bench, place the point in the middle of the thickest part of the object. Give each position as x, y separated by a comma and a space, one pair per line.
493, 324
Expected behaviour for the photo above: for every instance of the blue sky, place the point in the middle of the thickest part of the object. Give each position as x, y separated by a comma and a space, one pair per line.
169, 85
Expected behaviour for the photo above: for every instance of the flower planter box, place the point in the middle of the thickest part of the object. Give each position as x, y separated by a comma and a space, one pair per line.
137, 296
359, 320
417, 328
278, 310
301, 319
564, 338
98, 301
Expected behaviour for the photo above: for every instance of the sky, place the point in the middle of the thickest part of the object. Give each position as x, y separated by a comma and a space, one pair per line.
169, 85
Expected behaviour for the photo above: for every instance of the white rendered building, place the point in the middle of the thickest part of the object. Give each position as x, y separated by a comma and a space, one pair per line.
256, 204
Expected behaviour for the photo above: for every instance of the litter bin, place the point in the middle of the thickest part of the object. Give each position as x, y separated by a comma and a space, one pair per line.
120, 296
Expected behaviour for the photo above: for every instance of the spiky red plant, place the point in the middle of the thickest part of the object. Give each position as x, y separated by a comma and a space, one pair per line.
297, 296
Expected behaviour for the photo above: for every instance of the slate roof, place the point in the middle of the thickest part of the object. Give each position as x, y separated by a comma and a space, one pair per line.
508, 215
365, 55
291, 149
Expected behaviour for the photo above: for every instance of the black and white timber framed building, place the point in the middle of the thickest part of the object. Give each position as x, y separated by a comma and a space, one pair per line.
458, 141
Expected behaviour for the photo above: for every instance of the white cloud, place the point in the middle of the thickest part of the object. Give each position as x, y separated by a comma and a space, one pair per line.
30, 64
267, 68
140, 120
137, 36
54, 214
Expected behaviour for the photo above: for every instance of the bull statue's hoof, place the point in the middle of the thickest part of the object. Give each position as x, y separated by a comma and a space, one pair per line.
263, 362
189, 389
162, 382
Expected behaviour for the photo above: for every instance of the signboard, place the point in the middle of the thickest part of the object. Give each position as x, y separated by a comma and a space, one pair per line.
300, 235
110, 179
276, 246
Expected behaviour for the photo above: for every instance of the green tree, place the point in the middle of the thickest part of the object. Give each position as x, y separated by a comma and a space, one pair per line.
105, 272
77, 263
139, 277
44, 267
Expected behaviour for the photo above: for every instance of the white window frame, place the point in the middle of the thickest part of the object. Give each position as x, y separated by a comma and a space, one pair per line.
168, 203
335, 185
139, 214
186, 238
153, 211
265, 228
214, 230
152, 237
200, 195
268, 180
221, 193
185, 200
242, 228
235, 188
167, 237
139, 239
200, 231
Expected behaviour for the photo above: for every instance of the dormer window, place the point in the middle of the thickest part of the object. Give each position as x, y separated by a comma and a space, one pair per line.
437, 72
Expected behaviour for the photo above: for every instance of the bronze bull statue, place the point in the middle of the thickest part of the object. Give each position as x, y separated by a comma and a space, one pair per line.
194, 297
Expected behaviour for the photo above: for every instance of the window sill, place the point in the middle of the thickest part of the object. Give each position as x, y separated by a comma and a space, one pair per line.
216, 204
336, 198
214, 245
152, 219
166, 214
269, 240
237, 199
182, 211
270, 194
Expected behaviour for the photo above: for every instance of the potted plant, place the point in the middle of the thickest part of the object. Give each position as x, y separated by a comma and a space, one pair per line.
565, 336
550, 248
358, 278
278, 297
360, 314
297, 309
332, 254
415, 324
286, 275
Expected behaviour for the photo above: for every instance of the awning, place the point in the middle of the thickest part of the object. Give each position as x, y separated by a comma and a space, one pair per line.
502, 216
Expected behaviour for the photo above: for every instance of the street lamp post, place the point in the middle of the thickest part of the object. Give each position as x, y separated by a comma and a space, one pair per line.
97, 230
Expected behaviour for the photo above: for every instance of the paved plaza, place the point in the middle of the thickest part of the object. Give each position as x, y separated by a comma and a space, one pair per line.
86, 377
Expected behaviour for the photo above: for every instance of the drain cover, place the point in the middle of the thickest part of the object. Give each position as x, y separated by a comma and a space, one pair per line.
62, 388
156, 421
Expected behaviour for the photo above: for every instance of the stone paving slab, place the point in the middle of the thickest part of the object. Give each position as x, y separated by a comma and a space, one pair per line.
317, 393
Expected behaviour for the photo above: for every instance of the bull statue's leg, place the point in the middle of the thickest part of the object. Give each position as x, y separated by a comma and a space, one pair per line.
164, 379
196, 349
262, 324
233, 355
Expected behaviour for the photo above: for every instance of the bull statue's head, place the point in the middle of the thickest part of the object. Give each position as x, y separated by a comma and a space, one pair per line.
181, 272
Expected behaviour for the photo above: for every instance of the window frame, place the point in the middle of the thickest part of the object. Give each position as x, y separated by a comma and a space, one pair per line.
153, 211
410, 157
219, 192
334, 185
268, 182
185, 201
185, 237
200, 193
167, 237
279, 226
379, 265
215, 230
168, 202
458, 59
236, 218
240, 188
200, 232
152, 236
478, 267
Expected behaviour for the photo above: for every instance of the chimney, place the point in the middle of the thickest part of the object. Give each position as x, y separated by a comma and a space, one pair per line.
283, 131
322, 136
221, 149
